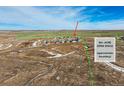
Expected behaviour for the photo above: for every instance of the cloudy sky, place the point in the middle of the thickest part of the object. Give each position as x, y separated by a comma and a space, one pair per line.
50, 18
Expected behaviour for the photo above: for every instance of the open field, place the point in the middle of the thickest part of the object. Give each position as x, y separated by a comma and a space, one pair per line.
52, 34
25, 61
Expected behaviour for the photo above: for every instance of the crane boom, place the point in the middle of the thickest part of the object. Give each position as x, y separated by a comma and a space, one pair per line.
74, 33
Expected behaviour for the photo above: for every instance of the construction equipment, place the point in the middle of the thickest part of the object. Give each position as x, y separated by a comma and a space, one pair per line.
75, 31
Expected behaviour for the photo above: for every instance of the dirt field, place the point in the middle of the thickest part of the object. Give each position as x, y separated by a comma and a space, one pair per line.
65, 64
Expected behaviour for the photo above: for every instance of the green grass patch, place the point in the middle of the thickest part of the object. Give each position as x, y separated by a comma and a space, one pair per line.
51, 34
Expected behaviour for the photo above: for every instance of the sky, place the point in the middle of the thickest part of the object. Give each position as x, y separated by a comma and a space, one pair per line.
61, 17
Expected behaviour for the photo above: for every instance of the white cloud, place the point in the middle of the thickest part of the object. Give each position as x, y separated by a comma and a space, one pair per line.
53, 18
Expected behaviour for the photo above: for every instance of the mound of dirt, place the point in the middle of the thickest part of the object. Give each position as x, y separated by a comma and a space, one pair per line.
38, 53
25, 44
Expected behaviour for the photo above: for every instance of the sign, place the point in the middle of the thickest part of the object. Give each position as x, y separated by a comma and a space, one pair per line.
104, 49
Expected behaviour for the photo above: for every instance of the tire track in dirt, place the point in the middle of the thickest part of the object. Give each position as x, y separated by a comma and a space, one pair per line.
50, 67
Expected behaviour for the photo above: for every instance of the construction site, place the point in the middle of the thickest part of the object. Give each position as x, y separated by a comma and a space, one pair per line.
57, 58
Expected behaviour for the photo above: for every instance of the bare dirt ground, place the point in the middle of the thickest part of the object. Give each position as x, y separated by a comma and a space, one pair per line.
62, 64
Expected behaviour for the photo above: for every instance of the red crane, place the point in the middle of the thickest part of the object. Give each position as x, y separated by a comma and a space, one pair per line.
74, 33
